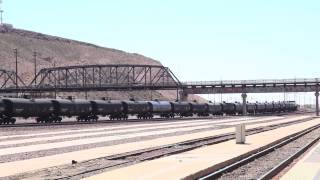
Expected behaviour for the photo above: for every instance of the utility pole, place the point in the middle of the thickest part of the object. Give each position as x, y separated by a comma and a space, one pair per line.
55, 81
35, 67
1, 20
16, 57
1, 12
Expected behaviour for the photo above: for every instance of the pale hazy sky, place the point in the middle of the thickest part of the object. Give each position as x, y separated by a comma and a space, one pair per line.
197, 40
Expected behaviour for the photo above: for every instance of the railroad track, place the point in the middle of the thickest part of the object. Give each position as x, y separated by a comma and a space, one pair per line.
233, 169
126, 159
103, 122
282, 165
66, 123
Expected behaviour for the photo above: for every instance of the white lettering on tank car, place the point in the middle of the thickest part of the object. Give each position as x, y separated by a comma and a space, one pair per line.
19, 110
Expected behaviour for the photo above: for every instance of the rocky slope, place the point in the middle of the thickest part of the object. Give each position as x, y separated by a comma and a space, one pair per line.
63, 52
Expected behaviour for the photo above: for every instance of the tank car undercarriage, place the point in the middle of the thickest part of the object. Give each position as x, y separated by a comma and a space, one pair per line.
88, 118
7, 120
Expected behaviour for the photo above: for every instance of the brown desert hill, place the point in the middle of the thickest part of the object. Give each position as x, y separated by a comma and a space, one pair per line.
65, 52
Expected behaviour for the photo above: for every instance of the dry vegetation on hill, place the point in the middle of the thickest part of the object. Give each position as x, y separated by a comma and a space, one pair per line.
64, 52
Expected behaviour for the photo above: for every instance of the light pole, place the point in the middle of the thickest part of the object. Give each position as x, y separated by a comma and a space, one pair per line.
1, 12
1, 20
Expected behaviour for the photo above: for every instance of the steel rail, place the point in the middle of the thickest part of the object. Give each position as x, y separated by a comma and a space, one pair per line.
189, 145
277, 169
256, 155
138, 120
66, 123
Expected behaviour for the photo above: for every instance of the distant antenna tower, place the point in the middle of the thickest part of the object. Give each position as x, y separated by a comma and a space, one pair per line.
1, 12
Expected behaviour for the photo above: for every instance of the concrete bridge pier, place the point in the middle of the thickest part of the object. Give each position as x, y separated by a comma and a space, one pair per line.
317, 102
183, 95
244, 103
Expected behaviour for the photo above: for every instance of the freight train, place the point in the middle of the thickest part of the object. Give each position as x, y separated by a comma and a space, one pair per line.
52, 110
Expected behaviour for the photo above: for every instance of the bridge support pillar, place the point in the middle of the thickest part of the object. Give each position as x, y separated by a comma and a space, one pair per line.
244, 103
317, 102
183, 96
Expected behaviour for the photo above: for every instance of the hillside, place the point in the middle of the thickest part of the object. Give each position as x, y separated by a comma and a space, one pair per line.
64, 52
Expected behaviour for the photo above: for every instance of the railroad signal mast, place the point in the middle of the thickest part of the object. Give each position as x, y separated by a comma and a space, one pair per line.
1, 12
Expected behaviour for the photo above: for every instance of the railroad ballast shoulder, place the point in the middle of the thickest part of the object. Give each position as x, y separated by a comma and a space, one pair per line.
52, 110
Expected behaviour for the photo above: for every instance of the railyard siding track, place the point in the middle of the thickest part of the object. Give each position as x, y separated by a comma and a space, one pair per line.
241, 168
282, 165
101, 122
69, 123
91, 167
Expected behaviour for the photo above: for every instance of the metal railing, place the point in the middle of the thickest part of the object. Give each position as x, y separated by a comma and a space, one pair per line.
253, 82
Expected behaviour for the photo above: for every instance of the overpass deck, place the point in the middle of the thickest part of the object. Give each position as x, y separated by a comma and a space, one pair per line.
252, 86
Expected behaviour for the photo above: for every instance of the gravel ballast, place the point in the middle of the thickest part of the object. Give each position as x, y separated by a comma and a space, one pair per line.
262, 165
73, 148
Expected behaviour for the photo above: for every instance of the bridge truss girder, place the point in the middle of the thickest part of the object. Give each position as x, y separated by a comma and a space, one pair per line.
105, 77
9, 79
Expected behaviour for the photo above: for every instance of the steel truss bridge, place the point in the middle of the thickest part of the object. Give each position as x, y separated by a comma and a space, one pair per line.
98, 78
128, 77
141, 77
9, 79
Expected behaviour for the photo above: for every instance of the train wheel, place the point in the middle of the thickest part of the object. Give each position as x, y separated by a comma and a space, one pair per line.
13, 121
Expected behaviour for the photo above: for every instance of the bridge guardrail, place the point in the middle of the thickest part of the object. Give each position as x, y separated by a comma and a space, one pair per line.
263, 81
